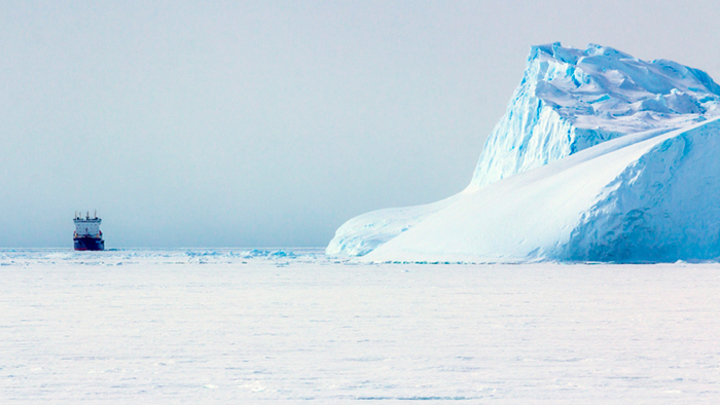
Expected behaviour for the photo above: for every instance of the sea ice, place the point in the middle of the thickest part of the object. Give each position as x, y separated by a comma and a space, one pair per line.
164, 328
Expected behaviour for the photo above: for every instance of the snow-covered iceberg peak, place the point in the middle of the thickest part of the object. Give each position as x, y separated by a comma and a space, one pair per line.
570, 99
600, 156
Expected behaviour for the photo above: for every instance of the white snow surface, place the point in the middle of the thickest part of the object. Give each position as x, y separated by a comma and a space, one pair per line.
643, 187
363, 234
284, 326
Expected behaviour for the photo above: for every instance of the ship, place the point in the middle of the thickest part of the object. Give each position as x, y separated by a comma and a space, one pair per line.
87, 235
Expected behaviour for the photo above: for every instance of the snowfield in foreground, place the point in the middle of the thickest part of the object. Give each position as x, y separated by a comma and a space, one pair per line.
600, 156
243, 326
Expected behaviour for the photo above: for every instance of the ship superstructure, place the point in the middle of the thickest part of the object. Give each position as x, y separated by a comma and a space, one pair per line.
87, 235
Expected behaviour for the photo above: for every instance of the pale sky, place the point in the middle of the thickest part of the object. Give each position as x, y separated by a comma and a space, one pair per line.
235, 124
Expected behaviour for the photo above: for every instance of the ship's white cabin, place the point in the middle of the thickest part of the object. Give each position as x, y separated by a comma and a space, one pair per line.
87, 226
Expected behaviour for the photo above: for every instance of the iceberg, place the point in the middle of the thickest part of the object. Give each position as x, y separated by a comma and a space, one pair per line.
599, 156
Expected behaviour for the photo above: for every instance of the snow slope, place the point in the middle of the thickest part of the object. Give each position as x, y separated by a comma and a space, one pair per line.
643, 197
633, 178
363, 234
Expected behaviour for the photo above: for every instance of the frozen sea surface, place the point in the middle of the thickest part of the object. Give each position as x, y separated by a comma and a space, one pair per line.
282, 326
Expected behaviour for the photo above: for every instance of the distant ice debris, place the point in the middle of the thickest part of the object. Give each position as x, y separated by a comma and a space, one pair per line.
120, 257
600, 156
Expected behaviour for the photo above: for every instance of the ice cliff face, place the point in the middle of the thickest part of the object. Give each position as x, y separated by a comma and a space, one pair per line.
569, 100
664, 206
600, 156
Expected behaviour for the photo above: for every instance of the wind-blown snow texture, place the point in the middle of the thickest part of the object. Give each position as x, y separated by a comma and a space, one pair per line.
600, 156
